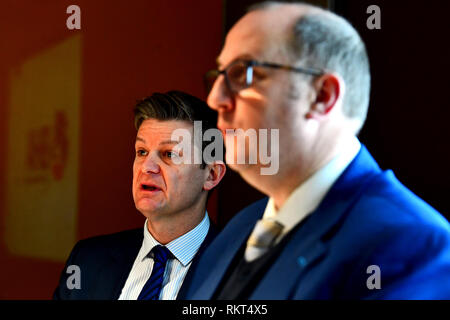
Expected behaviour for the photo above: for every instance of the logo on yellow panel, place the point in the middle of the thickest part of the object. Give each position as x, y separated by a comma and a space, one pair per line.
47, 149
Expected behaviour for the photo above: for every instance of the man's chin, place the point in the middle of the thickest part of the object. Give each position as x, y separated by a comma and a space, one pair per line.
251, 173
149, 209
239, 167
236, 163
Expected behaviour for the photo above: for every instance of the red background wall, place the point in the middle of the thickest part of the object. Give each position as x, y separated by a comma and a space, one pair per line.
130, 49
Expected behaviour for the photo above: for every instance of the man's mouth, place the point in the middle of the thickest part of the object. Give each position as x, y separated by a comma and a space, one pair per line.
149, 187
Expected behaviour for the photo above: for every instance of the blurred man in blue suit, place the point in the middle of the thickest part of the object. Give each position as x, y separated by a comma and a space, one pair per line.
334, 225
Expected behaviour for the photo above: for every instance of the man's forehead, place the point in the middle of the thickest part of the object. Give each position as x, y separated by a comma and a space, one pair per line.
157, 130
171, 124
259, 34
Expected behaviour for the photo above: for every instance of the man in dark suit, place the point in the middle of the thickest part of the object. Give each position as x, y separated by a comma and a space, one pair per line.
171, 191
334, 226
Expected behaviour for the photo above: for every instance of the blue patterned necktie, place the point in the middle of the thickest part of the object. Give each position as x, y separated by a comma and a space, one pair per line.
152, 287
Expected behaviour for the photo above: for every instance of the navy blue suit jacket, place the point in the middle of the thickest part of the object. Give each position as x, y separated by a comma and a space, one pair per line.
367, 218
105, 263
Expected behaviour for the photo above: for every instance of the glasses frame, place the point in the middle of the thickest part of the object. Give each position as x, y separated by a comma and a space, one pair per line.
249, 64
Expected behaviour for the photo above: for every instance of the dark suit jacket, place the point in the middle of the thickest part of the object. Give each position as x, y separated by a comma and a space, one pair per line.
367, 218
106, 261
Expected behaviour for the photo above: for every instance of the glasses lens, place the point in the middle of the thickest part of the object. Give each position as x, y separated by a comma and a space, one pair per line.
237, 76
210, 78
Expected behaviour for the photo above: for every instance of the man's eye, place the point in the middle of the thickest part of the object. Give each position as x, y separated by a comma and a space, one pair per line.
141, 153
170, 154
237, 73
258, 73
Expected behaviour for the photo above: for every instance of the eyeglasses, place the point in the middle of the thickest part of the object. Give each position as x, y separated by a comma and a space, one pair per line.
239, 74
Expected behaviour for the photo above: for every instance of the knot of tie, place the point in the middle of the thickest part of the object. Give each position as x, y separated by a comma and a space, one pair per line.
161, 254
262, 238
153, 286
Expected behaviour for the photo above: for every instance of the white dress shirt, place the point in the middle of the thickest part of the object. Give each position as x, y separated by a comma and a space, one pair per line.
183, 248
307, 197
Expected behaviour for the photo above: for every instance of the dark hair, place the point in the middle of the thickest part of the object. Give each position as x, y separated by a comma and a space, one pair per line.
329, 42
175, 105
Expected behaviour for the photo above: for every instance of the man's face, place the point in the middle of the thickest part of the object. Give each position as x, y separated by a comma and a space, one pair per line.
268, 102
161, 187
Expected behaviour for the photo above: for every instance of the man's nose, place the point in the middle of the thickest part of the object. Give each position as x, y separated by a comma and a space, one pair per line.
220, 97
151, 165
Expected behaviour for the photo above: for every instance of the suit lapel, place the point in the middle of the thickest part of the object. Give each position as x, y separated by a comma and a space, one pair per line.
229, 246
212, 232
310, 242
305, 247
282, 276
117, 268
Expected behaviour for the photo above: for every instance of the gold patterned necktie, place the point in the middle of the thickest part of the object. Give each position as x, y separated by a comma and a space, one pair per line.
262, 238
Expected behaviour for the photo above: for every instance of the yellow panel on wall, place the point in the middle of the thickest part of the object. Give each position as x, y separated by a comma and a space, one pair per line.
43, 153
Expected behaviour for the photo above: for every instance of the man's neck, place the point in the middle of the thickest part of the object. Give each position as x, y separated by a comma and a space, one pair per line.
293, 178
344, 148
167, 229
293, 173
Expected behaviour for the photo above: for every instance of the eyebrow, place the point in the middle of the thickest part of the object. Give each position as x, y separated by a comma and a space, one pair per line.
140, 139
244, 56
169, 142
161, 143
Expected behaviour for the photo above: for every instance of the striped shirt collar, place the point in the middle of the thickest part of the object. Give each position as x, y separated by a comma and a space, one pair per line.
183, 248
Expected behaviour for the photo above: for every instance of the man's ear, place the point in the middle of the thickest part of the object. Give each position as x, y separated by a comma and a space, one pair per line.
216, 171
329, 88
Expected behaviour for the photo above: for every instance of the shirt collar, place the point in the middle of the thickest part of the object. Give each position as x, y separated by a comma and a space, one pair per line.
184, 247
306, 197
